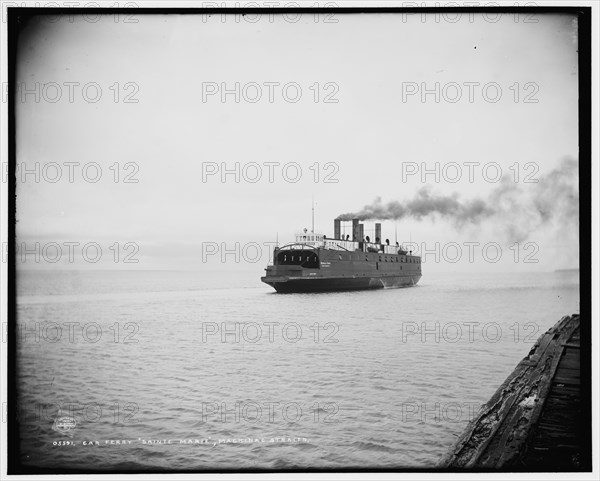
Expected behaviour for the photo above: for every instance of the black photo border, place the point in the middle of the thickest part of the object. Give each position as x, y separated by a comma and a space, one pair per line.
17, 17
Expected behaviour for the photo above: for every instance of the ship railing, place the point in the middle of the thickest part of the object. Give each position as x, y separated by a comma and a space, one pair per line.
333, 244
338, 244
299, 245
382, 248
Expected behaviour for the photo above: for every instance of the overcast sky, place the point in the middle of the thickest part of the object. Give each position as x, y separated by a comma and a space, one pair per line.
370, 63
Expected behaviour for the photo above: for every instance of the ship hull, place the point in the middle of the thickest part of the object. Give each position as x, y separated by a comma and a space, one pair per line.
326, 270
332, 284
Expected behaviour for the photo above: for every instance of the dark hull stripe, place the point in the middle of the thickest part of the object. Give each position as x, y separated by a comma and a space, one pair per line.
340, 283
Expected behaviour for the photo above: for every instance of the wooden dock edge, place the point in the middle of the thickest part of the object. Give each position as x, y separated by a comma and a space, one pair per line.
497, 436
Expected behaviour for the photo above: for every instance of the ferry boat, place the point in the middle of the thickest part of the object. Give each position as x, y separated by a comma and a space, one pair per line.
316, 263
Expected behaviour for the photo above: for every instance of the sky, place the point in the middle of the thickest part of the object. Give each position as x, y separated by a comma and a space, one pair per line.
346, 124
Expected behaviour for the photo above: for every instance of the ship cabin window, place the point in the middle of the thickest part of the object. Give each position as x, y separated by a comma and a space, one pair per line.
306, 259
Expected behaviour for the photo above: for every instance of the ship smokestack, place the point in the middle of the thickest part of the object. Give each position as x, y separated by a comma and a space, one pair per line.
337, 229
361, 232
355, 230
378, 231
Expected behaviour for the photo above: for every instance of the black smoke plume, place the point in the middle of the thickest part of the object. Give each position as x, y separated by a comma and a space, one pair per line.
516, 208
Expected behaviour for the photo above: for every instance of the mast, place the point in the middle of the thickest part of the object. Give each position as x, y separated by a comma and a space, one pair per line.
313, 215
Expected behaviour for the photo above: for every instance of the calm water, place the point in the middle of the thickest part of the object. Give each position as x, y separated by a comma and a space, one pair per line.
383, 378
